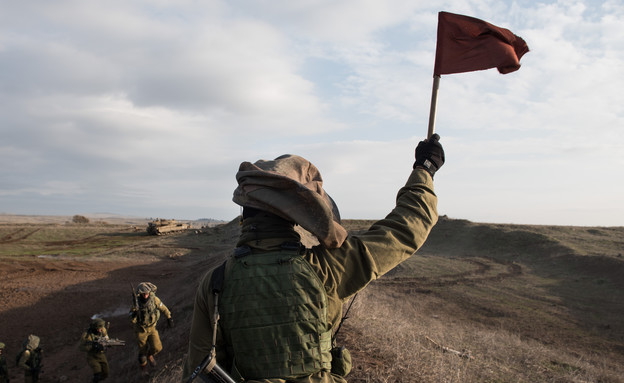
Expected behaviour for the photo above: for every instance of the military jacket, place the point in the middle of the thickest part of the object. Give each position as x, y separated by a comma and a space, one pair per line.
149, 312
88, 338
343, 271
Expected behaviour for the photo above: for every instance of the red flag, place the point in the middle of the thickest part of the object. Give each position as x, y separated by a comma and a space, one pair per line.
466, 44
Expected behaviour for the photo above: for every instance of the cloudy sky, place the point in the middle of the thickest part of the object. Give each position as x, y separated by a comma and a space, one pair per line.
147, 107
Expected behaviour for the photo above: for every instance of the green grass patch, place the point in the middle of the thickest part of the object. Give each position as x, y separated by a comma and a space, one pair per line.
18, 241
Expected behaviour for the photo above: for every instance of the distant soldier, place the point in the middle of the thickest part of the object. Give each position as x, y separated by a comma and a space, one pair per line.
30, 359
145, 313
4, 368
90, 342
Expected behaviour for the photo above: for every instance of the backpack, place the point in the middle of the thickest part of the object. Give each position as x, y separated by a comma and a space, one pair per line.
19, 356
31, 344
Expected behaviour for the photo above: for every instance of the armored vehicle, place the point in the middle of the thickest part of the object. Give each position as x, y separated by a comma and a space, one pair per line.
164, 226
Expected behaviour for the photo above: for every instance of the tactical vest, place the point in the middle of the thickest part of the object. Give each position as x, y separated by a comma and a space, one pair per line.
34, 359
148, 313
273, 311
32, 346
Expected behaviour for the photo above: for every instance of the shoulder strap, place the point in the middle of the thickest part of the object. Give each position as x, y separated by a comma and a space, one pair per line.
216, 283
217, 278
344, 317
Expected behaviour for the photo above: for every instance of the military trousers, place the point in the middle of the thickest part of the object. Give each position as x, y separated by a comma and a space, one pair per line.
148, 341
98, 363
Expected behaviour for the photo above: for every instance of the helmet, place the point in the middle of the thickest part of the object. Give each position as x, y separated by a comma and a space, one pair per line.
98, 323
146, 287
291, 187
32, 342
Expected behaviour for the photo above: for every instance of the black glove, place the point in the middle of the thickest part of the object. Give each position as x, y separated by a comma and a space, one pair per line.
170, 322
429, 154
98, 346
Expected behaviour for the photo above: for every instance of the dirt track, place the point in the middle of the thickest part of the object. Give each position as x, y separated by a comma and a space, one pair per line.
56, 298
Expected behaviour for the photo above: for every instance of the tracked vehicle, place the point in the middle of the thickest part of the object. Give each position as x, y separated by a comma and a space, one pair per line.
165, 226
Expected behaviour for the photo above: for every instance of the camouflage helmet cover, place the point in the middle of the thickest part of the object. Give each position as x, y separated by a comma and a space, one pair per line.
291, 187
32, 342
146, 287
98, 323
2, 346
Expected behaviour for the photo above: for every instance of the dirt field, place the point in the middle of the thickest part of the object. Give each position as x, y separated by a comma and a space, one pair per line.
530, 304
55, 294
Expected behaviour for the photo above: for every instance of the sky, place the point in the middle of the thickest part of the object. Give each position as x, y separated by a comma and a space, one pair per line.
146, 108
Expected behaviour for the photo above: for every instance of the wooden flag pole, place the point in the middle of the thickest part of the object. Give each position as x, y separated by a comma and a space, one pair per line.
434, 105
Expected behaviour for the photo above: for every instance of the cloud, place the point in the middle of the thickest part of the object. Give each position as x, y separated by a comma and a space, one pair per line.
214, 66
149, 107
339, 22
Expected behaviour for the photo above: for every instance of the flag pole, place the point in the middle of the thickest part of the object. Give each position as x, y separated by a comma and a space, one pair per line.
434, 105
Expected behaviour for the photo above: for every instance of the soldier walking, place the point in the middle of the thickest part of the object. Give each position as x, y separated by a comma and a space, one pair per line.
145, 314
30, 359
91, 343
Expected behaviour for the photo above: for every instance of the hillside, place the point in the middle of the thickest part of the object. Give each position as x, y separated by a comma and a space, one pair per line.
523, 303
528, 303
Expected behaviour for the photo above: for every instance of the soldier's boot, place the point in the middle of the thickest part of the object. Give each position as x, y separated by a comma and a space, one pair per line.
152, 360
143, 365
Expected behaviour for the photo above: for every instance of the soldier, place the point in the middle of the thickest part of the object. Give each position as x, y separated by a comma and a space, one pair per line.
90, 343
145, 314
4, 368
30, 359
280, 303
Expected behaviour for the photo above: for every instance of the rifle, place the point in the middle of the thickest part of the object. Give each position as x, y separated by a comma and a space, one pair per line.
209, 365
134, 311
215, 373
34, 372
135, 302
111, 342
99, 344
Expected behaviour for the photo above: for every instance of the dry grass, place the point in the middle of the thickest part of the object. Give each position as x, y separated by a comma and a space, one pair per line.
389, 334
528, 303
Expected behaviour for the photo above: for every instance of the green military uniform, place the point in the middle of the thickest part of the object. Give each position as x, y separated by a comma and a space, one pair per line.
4, 368
96, 357
145, 317
342, 271
31, 359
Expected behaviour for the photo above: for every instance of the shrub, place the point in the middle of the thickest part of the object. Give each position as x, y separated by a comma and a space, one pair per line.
80, 219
